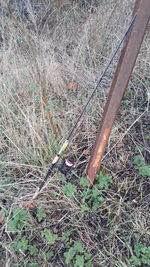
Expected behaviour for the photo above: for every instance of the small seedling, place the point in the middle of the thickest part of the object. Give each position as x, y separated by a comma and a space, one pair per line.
143, 168
93, 198
40, 214
77, 257
69, 190
84, 182
49, 237
32, 87
20, 245
103, 180
18, 220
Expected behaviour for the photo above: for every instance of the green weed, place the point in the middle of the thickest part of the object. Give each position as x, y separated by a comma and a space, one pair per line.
69, 190
103, 180
46, 255
84, 182
92, 197
18, 221
23, 245
77, 257
49, 237
22, 240
143, 168
40, 214
66, 236
141, 255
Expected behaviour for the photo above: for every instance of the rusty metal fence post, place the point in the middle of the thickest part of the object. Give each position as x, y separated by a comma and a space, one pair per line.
120, 81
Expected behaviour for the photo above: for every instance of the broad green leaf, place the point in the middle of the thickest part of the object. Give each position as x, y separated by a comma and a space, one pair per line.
135, 260
20, 212
95, 193
87, 256
142, 255
49, 255
138, 160
12, 225
79, 261
89, 263
103, 180
84, 182
18, 220
69, 190
69, 255
144, 170
40, 214
78, 246
49, 107
32, 249
49, 236
20, 245
32, 87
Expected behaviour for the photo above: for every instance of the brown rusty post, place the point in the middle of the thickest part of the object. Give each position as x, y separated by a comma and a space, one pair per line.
122, 75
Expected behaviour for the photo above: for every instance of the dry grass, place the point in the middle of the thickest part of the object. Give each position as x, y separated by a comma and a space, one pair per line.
42, 49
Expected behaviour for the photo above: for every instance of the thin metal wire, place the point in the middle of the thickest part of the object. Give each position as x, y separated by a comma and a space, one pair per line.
100, 79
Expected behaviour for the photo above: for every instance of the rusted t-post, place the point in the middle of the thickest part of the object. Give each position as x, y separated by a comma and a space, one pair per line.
120, 81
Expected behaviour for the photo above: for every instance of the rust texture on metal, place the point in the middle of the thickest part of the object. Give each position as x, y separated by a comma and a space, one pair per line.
136, 6
120, 81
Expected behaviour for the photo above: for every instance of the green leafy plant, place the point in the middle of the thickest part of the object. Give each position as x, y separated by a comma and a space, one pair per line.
49, 236
77, 257
144, 171
49, 107
103, 180
40, 214
18, 220
20, 245
46, 255
143, 168
126, 102
84, 182
23, 245
32, 87
141, 255
93, 196
69, 190
32, 249
138, 160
